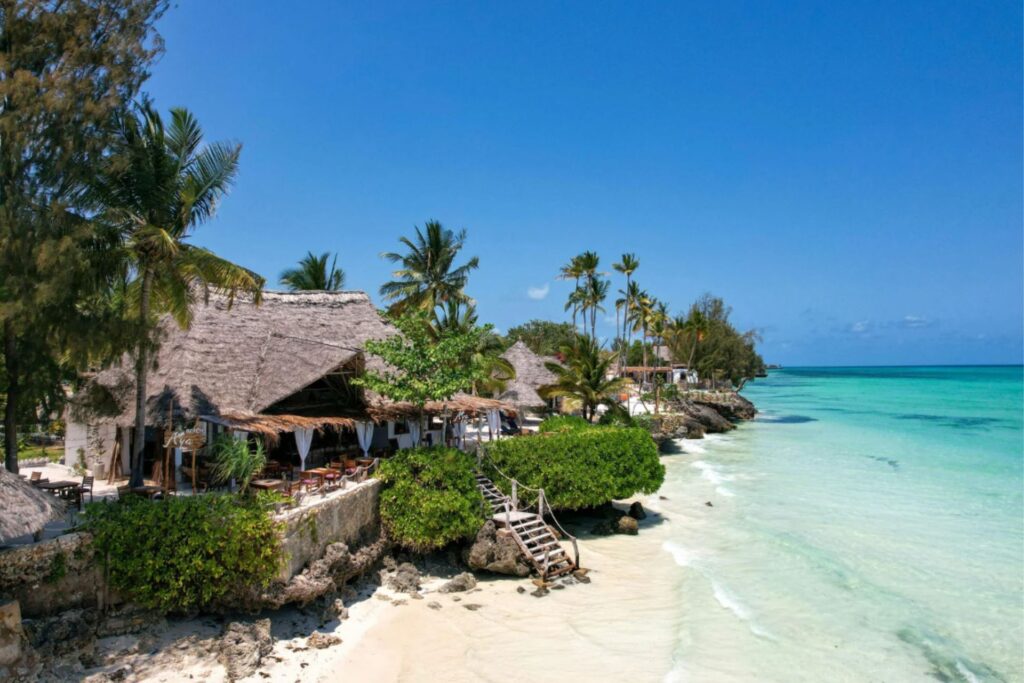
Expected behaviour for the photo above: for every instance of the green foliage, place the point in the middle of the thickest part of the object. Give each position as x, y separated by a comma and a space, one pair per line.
543, 337
429, 498
583, 376
581, 468
426, 364
428, 277
714, 347
313, 274
234, 459
58, 568
563, 423
186, 553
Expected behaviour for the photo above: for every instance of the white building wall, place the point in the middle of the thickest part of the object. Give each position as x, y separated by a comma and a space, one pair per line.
95, 442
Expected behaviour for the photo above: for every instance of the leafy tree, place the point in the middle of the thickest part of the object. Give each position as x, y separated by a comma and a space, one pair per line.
573, 270
428, 276
423, 363
65, 68
583, 376
429, 498
313, 274
543, 337
157, 187
716, 349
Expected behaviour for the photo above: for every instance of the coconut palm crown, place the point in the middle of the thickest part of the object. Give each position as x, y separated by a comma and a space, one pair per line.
313, 274
428, 276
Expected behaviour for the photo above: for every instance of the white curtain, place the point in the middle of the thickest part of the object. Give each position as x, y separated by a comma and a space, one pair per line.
494, 422
460, 433
303, 440
364, 432
414, 431
241, 435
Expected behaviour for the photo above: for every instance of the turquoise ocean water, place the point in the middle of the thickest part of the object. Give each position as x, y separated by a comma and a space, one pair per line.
868, 526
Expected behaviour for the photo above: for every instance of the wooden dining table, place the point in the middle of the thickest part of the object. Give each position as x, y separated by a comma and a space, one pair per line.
267, 484
148, 491
68, 490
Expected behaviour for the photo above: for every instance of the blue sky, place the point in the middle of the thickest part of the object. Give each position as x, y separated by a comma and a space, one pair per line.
848, 176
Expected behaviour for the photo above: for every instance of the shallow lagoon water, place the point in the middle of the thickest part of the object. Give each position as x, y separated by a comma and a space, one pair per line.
868, 526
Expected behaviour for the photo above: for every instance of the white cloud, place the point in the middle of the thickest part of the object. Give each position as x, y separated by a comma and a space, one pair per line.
538, 293
860, 327
915, 321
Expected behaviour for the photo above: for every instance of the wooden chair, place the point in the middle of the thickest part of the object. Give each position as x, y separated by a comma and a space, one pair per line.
123, 492
36, 476
86, 487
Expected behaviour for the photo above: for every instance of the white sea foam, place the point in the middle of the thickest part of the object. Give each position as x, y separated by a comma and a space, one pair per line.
966, 673
710, 472
734, 605
722, 491
680, 554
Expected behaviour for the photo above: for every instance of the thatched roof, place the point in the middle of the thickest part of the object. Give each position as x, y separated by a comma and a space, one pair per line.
531, 374
244, 358
272, 425
470, 406
24, 509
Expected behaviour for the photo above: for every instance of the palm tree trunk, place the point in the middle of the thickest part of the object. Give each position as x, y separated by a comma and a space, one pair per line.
13, 396
643, 346
141, 371
625, 330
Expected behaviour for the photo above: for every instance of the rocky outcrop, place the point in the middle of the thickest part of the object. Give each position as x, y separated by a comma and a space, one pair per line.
699, 413
461, 582
322, 641
404, 579
627, 525
322, 579
636, 511
496, 552
243, 646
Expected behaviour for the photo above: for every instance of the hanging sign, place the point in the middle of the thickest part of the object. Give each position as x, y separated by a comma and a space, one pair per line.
187, 439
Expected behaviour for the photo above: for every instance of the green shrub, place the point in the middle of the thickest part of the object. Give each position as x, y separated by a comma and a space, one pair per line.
186, 553
429, 498
563, 423
233, 459
581, 468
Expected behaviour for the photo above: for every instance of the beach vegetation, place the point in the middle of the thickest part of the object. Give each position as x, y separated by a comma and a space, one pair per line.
235, 460
429, 498
492, 373
543, 337
713, 346
580, 467
185, 553
65, 69
562, 423
583, 376
158, 186
313, 273
427, 276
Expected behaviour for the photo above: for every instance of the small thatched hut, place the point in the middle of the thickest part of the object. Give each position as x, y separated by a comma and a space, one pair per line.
531, 375
24, 509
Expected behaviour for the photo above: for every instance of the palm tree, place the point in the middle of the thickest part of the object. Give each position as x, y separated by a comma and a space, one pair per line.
643, 305
486, 356
632, 295
583, 376
697, 325
313, 274
428, 277
576, 302
156, 188
627, 266
658, 324
594, 294
573, 271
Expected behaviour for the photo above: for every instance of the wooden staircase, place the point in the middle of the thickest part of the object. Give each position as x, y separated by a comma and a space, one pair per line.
533, 536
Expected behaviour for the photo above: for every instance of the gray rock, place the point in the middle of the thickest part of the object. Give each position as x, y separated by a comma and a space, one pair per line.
243, 646
472, 607
496, 552
461, 582
405, 579
434, 605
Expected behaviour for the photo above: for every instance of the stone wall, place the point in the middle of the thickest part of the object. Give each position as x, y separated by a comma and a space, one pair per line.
52, 576
351, 517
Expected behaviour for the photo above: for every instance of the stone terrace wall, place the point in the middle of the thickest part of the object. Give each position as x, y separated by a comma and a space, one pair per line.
351, 517
52, 576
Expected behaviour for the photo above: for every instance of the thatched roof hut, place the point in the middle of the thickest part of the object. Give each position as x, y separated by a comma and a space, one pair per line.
24, 509
242, 358
531, 375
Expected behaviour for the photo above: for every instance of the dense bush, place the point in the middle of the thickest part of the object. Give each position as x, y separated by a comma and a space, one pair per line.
563, 423
185, 553
429, 498
581, 468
